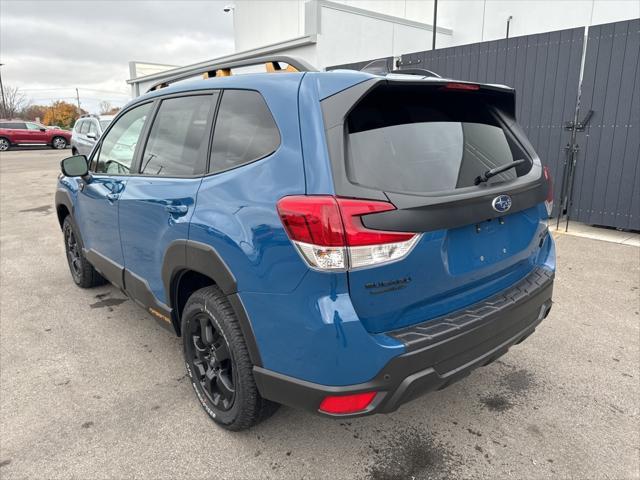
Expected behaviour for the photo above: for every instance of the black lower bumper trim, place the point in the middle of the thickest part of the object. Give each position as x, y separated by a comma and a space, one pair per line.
432, 364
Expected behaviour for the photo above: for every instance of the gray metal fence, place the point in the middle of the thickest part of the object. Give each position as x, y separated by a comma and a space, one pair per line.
545, 71
607, 183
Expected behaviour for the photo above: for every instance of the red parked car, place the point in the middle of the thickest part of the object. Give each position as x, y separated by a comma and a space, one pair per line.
30, 133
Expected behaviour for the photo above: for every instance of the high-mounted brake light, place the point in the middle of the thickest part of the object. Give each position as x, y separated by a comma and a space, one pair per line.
344, 404
548, 203
330, 235
461, 86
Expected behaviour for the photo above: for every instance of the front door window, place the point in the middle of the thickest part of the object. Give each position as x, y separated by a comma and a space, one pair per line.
119, 144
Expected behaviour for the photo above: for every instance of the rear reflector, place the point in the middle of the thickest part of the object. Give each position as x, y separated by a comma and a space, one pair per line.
330, 235
357, 402
548, 203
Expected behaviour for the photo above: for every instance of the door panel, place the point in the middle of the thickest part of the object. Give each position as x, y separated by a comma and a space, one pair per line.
97, 216
35, 135
157, 206
97, 206
153, 213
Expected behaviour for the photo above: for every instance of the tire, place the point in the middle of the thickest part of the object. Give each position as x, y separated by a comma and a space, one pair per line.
218, 363
5, 144
58, 143
82, 272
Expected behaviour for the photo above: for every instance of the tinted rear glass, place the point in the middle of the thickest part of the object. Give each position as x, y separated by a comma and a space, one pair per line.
13, 125
421, 140
245, 130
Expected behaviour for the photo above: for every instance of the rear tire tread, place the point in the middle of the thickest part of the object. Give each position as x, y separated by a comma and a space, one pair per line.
254, 408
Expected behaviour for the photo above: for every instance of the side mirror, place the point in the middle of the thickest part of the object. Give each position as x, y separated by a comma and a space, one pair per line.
43, 129
92, 135
75, 166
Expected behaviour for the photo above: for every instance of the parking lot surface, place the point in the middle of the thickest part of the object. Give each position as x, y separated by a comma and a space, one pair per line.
91, 387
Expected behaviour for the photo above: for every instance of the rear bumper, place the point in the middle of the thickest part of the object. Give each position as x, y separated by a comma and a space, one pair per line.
438, 352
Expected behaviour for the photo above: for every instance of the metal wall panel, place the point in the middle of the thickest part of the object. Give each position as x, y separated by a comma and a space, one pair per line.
607, 184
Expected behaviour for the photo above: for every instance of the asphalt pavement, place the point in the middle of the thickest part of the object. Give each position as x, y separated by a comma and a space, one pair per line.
91, 387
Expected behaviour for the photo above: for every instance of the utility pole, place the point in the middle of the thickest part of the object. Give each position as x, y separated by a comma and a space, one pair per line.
435, 21
78, 98
4, 101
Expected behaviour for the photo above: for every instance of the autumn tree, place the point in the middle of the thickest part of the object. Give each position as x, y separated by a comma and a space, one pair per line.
13, 102
61, 113
34, 112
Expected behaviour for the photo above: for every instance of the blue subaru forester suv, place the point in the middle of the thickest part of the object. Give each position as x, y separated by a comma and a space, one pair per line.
336, 241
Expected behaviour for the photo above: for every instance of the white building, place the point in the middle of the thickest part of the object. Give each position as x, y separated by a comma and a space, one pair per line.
326, 33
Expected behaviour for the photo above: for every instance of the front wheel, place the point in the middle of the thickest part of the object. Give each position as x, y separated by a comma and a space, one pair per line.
218, 363
82, 272
4, 144
59, 143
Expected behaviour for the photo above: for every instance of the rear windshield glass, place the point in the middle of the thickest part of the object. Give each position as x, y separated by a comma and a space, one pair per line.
423, 139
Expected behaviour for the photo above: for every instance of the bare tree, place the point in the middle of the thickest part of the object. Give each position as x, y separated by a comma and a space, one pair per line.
13, 103
105, 107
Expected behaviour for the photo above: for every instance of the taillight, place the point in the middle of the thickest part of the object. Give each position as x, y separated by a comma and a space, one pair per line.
330, 235
548, 203
343, 404
461, 86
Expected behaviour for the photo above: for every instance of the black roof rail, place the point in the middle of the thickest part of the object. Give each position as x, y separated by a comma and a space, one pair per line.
223, 69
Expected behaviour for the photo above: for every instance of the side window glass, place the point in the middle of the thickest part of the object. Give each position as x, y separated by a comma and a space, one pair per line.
84, 128
32, 126
92, 127
119, 145
245, 130
78, 125
179, 137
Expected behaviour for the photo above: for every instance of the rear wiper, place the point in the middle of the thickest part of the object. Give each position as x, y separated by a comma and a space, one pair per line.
497, 171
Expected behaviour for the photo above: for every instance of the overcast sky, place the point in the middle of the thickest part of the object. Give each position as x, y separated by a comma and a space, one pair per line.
49, 48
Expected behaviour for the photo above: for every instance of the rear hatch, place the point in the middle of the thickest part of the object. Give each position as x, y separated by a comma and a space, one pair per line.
421, 145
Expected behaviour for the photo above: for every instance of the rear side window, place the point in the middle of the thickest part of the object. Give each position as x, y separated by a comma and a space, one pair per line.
245, 130
78, 125
13, 125
84, 128
178, 139
417, 140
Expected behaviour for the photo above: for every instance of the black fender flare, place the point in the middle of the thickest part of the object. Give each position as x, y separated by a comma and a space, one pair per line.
184, 255
63, 197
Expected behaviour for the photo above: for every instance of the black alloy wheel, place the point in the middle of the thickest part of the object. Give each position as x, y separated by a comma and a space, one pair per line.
72, 247
218, 362
212, 362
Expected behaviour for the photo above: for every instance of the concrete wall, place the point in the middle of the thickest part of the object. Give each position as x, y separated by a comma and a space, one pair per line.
268, 21
477, 20
345, 31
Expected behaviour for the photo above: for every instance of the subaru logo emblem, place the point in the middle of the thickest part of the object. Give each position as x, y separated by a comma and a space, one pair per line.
501, 203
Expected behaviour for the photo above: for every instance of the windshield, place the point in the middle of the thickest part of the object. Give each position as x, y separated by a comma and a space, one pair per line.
409, 141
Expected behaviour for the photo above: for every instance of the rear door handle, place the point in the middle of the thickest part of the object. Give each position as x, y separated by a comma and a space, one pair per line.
176, 209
